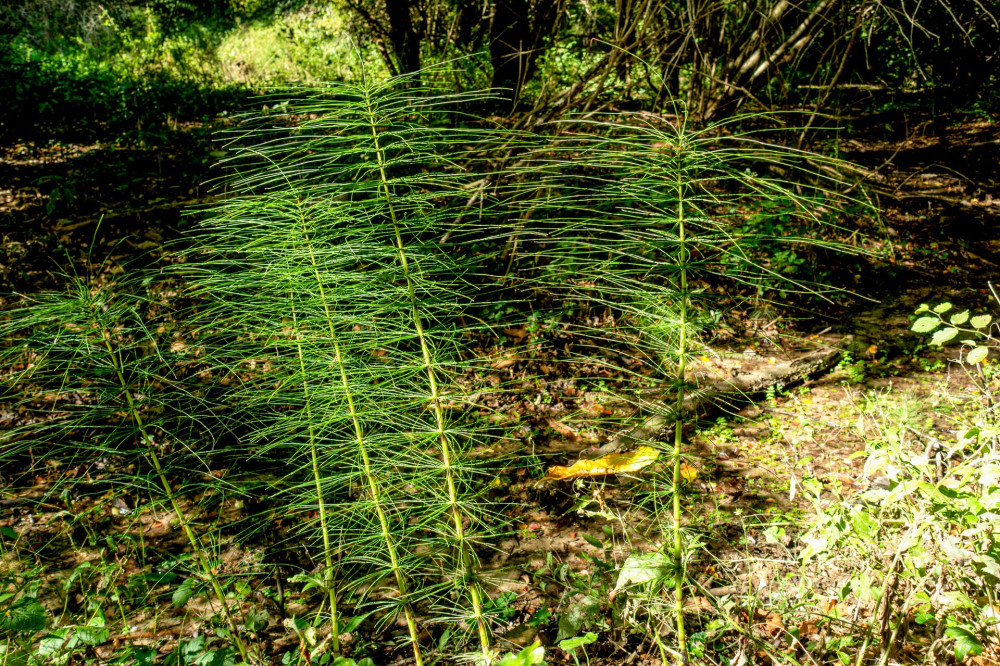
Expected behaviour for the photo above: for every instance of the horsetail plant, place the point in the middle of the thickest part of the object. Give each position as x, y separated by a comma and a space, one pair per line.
325, 267
642, 217
463, 548
362, 449
91, 350
327, 340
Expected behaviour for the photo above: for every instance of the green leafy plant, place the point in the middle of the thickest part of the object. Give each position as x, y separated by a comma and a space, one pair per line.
945, 329
23, 615
327, 354
855, 369
90, 349
578, 642
533, 655
931, 508
640, 213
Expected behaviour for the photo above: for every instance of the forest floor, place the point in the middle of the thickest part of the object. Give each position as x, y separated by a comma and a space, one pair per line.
751, 474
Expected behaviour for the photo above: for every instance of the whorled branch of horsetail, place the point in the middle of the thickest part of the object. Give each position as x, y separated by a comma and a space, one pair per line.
147, 440
678, 548
362, 443
317, 478
464, 558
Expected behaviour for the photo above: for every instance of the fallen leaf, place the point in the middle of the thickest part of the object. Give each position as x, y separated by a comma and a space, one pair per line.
563, 429
613, 463
773, 624
505, 362
516, 334
808, 628
698, 604
689, 473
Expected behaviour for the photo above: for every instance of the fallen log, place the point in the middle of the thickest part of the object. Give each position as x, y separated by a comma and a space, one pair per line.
718, 392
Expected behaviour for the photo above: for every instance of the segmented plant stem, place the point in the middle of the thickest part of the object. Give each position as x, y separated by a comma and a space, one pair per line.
147, 440
320, 500
373, 486
464, 556
679, 574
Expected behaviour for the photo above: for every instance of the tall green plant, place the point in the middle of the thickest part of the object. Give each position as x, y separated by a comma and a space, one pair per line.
84, 369
640, 218
327, 267
331, 286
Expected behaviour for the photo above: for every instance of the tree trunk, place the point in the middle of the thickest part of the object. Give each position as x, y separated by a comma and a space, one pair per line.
403, 36
517, 38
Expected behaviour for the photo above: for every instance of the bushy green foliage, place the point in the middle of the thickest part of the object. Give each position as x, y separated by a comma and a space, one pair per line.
328, 268
88, 65
329, 353
23, 615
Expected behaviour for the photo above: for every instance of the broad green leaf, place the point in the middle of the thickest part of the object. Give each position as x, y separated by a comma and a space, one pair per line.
223, 657
966, 643
257, 620
981, 321
977, 355
190, 649
988, 564
925, 324
959, 318
571, 621
533, 655
573, 643
25, 614
183, 592
143, 656
941, 308
643, 569
93, 635
864, 524
353, 623
943, 335
923, 307
56, 642
592, 541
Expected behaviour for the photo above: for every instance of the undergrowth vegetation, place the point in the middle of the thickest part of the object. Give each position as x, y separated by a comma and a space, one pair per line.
298, 403
80, 65
323, 384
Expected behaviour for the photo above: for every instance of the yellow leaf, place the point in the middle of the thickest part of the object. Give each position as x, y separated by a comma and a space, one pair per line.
689, 473
613, 463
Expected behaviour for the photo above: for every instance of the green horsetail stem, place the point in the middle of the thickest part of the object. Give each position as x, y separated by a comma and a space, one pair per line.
359, 438
150, 452
464, 556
